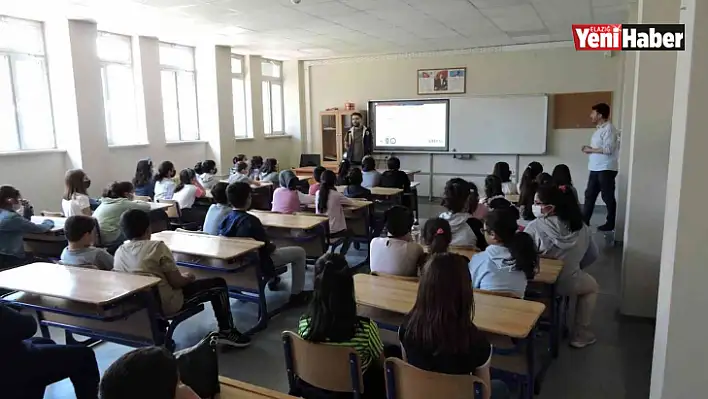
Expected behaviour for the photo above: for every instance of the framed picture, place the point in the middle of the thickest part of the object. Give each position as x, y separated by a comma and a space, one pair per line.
442, 81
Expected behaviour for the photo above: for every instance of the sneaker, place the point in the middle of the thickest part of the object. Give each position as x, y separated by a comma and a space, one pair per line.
605, 227
582, 340
234, 338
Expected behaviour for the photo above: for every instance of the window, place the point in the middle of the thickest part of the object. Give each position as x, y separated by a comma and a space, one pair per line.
116, 55
273, 118
26, 121
238, 86
179, 92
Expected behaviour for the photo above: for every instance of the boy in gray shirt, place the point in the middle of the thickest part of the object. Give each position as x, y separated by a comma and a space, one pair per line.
79, 231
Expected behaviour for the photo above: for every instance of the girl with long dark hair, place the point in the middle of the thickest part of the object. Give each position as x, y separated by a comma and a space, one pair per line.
561, 177
187, 190
164, 181
559, 232
509, 260
438, 334
75, 200
527, 189
330, 202
503, 172
143, 180
332, 318
269, 171
456, 199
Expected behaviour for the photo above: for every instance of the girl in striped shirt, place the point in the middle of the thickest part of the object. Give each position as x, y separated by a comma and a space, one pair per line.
331, 318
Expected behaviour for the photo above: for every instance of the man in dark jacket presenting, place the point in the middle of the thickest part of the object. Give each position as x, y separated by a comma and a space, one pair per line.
359, 141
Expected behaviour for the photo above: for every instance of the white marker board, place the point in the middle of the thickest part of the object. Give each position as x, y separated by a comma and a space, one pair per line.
499, 125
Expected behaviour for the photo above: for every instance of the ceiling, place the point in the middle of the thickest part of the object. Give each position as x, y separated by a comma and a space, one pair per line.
336, 28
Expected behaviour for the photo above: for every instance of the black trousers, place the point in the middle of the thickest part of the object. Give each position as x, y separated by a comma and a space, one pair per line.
601, 182
212, 290
46, 363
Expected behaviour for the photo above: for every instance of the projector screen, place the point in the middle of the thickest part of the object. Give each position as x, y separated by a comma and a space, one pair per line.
410, 125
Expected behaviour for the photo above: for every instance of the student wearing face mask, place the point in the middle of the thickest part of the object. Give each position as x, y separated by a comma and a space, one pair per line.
14, 226
359, 140
559, 232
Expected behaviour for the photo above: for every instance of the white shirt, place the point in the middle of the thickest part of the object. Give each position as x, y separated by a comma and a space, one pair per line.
164, 189
395, 256
607, 139
208, 180
186, 196
509, 188
76, 205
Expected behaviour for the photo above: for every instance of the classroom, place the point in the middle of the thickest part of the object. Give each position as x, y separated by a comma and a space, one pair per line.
259, 148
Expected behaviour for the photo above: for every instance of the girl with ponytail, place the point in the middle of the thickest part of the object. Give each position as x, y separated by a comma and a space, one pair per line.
509, 261
437, 235
332, 318
330, 202
559, 232
527, 189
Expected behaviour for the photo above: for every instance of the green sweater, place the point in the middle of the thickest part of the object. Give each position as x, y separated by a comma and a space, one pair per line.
108, 215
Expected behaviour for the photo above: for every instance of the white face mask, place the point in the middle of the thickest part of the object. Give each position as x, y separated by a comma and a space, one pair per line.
537, 210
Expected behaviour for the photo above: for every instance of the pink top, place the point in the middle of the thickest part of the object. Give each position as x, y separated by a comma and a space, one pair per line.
313, 188
335, 212
481, 212
285, 201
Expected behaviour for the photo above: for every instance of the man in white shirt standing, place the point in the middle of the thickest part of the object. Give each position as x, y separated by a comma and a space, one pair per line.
603, 153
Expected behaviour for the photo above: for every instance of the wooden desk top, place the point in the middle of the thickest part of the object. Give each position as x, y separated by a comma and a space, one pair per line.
494, 314
207, 245
549, 268
284, 221
415, 184
155, 206
355, 206
513, 198
254, 186
382, 191
58, 222
78, 284
234, 389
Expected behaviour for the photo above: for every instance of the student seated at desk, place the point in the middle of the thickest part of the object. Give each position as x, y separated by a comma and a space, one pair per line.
14, 226
559, 232
287, 198
436, 235
188, 189
117, 198
503, 172
218, 210
329, 201
143, 180
143, 256
79, 231
396, 254
75, 200
456, 199
371, 176
241, 175
394, 177
492, 189
150, 372
354, 188
269, 171
343, 173
164, 181
509, 260
254, 171
31, 363
561, 177
206, 172
438, 334
317, 176
544, 179
238, 158
331, 318
527, 189
240, 223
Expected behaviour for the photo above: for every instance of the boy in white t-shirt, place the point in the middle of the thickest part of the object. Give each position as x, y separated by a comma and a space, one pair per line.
397, 253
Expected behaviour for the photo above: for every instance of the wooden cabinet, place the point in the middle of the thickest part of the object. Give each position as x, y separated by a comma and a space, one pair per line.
334, 126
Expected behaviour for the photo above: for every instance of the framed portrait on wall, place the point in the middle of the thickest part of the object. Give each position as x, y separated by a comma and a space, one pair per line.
442, 81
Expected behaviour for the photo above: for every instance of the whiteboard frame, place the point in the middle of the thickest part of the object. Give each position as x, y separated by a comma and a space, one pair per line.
382, 149
447, 152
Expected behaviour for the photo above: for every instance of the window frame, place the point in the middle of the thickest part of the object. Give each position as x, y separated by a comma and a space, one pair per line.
13, 56
106, 92
270, 80
242, 76
175, 70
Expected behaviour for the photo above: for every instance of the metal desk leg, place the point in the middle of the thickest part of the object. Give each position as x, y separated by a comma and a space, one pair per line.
555, 322
530, 364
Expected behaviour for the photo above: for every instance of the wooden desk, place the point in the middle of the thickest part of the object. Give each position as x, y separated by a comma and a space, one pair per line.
380, 191
254, 186
284, 221
157, 206
494, 314
309, 170
207, 245
78, 284
513, 198
549, 271
234, 389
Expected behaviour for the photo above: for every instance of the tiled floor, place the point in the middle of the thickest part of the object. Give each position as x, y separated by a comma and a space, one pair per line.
617, 367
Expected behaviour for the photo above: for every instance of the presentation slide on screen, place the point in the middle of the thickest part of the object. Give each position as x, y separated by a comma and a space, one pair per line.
414, 125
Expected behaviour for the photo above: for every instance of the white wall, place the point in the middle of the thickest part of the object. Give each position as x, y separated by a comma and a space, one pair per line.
561, 70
